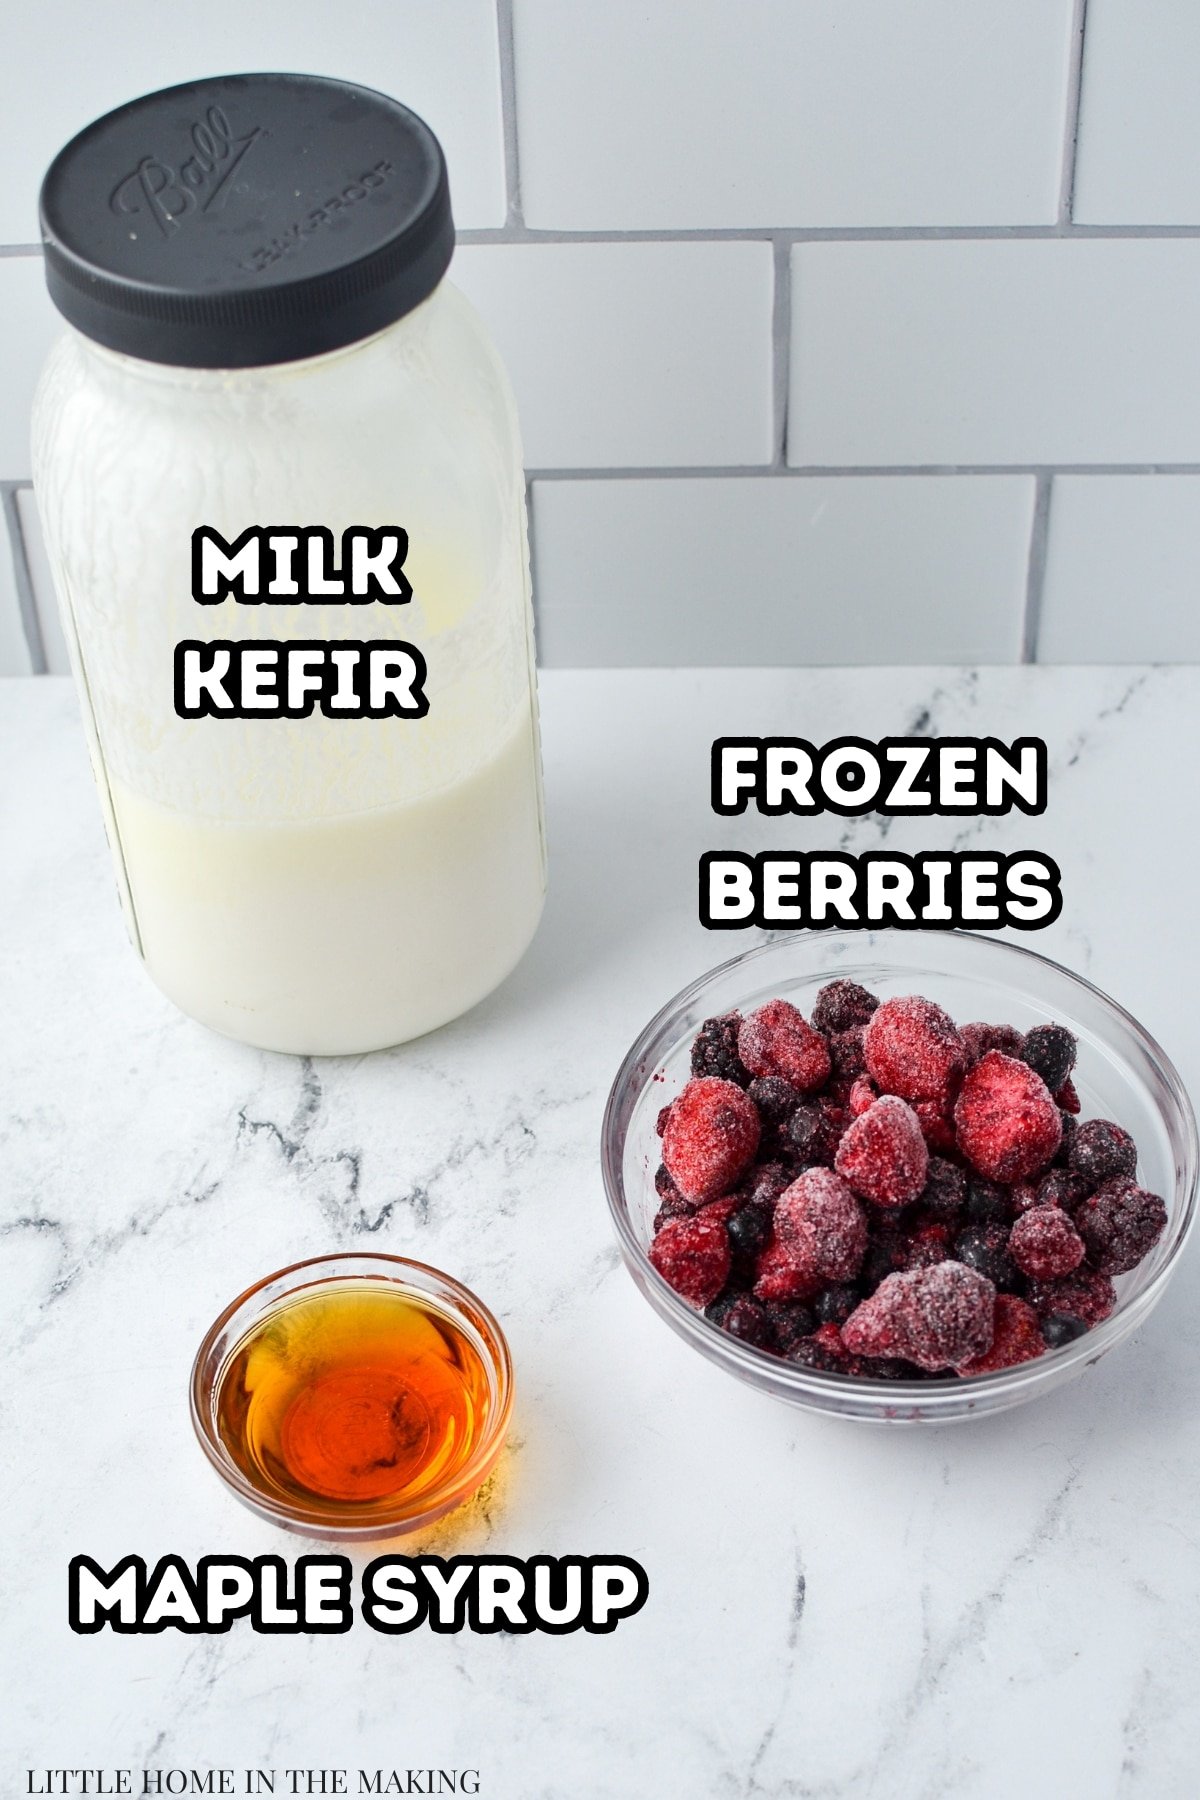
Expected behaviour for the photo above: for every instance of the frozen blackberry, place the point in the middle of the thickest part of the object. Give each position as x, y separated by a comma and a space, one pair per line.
1062, 1187
714, 1050
1061, 1328
1100, 1149
1049, 1051
1120, 1224
833, 1305
841, 1005
986, 1203
944, 1193
847, 1056
790, 1320
775, 1098
984, 1248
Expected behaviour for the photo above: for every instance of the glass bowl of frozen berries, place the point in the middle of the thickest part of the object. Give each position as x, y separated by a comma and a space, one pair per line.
907, 1177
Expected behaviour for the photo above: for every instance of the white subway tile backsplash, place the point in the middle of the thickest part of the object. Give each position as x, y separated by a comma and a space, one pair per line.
1139, 137
14, 649
644, 355
1046, 351
790, 112
28, 326
1122, 570
68, 62
54, 644
739, 570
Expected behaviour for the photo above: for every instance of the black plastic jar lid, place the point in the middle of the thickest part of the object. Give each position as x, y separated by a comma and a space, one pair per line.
246, 219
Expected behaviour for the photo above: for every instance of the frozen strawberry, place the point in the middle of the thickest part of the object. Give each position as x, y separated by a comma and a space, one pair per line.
778, 1276
710, 1136
1050, 1051
693, 1256
937, 1125
978, 1039
914, 1049
1016, 1338
714, 1050
1085, 1295
883, 1155
1044, 1243
863, 1094
821, 1223
938, 1318
1120, 1224
1100, 1150
776, 1039
1007, 1123
1067, 1099
841, 1005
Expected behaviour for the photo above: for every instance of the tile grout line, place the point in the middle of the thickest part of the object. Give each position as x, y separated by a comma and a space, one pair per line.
514, 220
1074, 103
817, 471
1035, 575
31, 624
1058, 232
781, 348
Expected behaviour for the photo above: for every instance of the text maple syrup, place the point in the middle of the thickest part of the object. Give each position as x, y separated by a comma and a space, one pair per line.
351, 1396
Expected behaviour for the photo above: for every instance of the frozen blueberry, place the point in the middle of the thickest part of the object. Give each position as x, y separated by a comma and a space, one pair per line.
833, 1305
1062, 1328
744, 1318
1050, 1052
750, 1229
984, 1248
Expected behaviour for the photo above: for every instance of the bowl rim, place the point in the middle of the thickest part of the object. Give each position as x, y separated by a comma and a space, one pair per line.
364, 1523
896, 1397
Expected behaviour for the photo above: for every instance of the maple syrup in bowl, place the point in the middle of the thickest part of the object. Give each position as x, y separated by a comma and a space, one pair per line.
353, 1397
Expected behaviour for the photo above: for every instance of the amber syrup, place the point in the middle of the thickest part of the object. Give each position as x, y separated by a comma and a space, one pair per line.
351, 1397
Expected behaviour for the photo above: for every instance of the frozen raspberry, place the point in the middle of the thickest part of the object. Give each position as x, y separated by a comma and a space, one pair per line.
744, 1318
814, 1130
1008, 1126
693, 1257
715, 1052
1049, 1050
711, 1135
979, 1039
1067, 1099
778, 1276
1085, 1295
1120, 1224
937, 1127
1101, 1149
776, 1039
1044, 1243
1062, 1187
841, 1005
925, 1245
984, 1248
883, 1155
862, 1095
1061, 1328
673, 1207
821, 1223
775, 1098
944, 1193
938, 1318
790, 1320
914, 1049
1016, 1338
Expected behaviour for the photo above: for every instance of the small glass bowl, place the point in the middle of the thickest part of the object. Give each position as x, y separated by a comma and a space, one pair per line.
426, 1285
1122, 1074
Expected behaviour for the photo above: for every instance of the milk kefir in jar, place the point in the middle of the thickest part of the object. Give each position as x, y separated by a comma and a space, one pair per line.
261, 335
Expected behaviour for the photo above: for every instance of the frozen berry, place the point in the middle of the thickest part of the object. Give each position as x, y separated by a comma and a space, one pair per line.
1086, 1295
822, 1225
883, 1154
1062, 1187
938, 1318
1023, 1196
847, 1054
775, 1098
776, 1039
778, 1276
1050, 1051
833, 1305
664, 1187
1008, 1125
1044, 1243
985, 1249
987, 1203
711, 1135
863, 1094
813, 1130
978, 1039
926, 1244
1016, 1338
813, 1353
715, 1052
841, 1005
789, 1320
674, 1206
885, 1254
750, 1229
693, 1257
914, 1049
937, 1125
1061, 1328
1067, 1099
747, 1320
1101, 1149
660, 1124
721, 1210
944, 1193
1120, 1224
767, 1182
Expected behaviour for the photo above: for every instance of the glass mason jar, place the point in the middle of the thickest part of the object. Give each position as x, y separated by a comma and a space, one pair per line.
262, 336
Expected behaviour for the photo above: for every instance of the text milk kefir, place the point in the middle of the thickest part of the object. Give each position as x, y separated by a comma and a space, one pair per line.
262, 336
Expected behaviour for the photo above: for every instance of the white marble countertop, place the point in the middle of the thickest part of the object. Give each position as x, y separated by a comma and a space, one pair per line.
996, 1609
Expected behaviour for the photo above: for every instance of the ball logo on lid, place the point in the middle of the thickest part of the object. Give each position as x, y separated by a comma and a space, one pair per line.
168, 193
